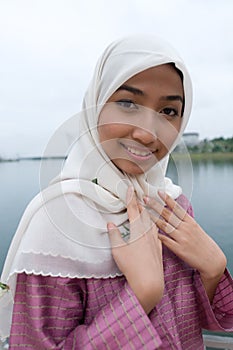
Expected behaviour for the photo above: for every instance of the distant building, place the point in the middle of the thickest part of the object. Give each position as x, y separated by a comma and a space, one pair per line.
191, 138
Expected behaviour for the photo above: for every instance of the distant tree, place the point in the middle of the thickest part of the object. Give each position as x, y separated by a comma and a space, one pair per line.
219, 144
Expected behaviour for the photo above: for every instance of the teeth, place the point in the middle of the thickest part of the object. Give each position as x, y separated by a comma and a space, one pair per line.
137, 152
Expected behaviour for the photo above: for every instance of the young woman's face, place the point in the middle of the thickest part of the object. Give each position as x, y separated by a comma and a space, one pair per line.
141, 120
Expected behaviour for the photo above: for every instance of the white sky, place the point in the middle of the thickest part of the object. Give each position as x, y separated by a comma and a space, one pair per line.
48, 50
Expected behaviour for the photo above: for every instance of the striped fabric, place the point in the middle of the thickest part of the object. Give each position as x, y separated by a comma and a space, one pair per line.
84, 314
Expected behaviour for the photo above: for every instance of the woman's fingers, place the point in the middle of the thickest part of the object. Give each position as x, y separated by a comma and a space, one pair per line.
166, 227
115, 236
165, 213
132, 204
169, 243
173, 205
139, 219
136, 214
173, 213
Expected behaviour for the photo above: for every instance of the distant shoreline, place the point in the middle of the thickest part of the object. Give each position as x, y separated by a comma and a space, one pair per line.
218, 156
4, 160
215, 156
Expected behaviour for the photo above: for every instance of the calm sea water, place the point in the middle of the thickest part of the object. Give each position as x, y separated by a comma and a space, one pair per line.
212, 197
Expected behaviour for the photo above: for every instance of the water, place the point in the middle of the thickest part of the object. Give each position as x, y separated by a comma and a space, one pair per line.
19, 183
211, 198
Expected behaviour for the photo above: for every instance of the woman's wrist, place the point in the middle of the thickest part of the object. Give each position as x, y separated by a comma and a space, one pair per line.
211, 279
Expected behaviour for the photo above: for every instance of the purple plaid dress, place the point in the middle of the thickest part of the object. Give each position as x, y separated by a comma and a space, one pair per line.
84, 314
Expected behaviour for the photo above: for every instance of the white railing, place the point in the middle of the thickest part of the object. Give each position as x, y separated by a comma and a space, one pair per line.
212, 341
3, 345
218, 342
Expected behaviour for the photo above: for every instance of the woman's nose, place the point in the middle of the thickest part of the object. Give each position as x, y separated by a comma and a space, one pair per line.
145, 130
143, 135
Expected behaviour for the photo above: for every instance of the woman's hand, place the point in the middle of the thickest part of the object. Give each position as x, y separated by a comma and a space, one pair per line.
140, 259
189, 241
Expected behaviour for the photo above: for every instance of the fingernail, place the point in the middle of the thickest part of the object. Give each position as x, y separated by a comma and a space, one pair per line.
110, 226
162, 194
146, 199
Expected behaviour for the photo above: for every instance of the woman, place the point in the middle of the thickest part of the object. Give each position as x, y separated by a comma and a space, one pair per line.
88, 267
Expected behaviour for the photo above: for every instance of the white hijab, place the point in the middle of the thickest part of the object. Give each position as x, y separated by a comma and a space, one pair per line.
63, 230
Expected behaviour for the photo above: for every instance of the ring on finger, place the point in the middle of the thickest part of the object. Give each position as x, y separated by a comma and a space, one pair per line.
165, 226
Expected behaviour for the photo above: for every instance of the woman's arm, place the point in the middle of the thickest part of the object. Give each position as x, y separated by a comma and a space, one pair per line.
217, 316
50, 313
189, 242
140, 258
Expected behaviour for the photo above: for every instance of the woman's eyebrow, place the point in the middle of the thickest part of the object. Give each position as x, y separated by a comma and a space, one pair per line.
172, 98
139, 92
131, 89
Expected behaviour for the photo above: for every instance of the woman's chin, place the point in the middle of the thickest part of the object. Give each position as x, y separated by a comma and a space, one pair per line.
131, 168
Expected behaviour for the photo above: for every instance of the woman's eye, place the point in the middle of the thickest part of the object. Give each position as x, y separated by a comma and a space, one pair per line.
129, 104
171, 112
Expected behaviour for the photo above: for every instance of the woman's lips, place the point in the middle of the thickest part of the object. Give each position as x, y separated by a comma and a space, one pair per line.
138, 153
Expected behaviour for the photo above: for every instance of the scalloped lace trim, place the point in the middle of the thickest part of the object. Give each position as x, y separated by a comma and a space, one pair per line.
95, 262
59, 266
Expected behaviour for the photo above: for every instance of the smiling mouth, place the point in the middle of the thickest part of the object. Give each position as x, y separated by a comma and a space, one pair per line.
138, 153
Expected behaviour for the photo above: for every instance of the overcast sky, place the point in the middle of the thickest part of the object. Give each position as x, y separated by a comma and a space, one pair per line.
48, 50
